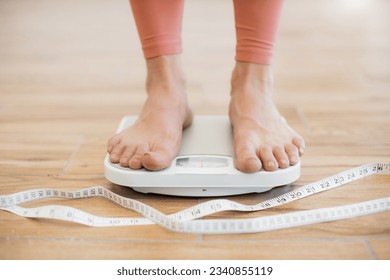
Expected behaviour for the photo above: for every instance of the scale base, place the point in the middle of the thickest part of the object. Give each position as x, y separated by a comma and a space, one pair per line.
203, 168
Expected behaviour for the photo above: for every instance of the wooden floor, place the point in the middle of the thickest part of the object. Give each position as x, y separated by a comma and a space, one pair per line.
69, 70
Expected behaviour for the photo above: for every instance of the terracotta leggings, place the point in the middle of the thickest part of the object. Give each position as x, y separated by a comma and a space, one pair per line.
159, 27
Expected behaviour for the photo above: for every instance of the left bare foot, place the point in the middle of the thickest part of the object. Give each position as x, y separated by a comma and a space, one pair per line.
262, 138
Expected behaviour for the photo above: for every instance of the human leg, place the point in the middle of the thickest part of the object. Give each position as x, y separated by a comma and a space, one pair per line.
155, 138
262, 137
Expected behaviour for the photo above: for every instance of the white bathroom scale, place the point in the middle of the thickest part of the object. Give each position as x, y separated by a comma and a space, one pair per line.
203, 167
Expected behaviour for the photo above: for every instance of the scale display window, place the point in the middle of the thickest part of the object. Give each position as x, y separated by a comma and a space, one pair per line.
202, 162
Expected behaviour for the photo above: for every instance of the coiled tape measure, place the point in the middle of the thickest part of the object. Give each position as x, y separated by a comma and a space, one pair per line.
189, 221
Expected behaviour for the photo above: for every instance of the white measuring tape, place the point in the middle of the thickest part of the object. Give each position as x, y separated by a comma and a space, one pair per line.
188, 220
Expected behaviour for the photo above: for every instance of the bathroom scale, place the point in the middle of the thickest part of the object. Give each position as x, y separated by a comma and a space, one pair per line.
203, 167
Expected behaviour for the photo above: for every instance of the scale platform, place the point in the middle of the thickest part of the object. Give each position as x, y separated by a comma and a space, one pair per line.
204, 166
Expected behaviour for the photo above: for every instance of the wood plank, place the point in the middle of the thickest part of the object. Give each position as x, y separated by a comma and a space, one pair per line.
381, 248
118, 249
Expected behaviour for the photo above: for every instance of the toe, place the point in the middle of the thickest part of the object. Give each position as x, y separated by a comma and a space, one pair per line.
126, 156
300, 144
117, 152
135, 161
292, 153
267, 158
156, 160
112, 142
246, 159
281, 157
248, 162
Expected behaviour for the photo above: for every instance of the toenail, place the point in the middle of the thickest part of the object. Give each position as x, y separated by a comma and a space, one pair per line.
250, 158
284, 162
301, 150
294, 159
271, 164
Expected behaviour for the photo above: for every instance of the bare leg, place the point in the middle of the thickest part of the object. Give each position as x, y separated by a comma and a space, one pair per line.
262, 137
154, 140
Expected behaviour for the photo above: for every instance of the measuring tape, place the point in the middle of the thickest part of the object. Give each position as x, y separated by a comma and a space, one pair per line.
188, 220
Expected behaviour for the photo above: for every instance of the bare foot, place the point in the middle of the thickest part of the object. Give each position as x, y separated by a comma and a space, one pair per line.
262, 138
155, 139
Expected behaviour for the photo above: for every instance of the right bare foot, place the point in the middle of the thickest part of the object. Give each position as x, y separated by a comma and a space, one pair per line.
155, 138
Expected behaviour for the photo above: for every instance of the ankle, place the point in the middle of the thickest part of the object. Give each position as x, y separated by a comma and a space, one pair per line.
251, 77
165, 71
